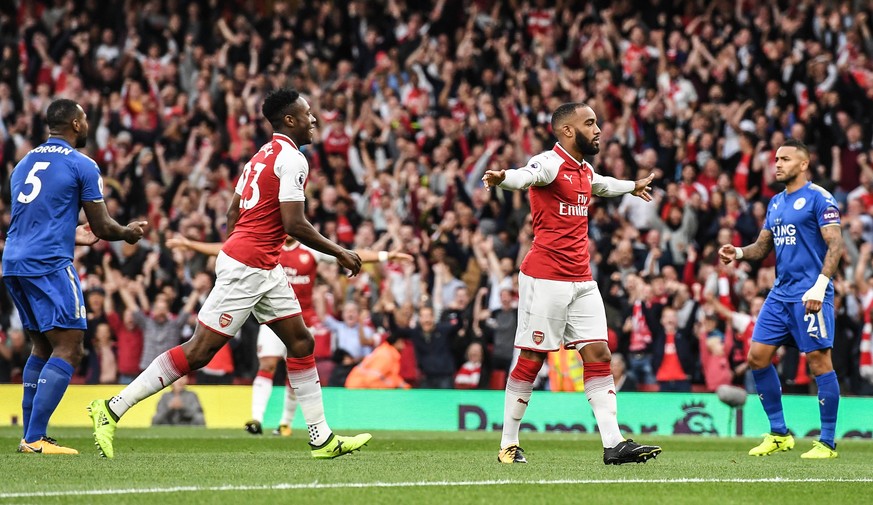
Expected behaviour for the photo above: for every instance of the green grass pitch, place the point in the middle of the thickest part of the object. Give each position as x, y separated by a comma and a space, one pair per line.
192, 466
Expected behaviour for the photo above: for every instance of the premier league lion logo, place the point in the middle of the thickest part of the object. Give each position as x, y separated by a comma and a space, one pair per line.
697, 421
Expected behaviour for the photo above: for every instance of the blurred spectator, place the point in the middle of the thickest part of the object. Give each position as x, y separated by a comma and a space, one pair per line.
623, 381
432, 349
343, 365
14, 351
350, 334
179, 406
380, 369
470, 373
128, 336
673, 349
498, 328
160, 328
640, 346
104, 349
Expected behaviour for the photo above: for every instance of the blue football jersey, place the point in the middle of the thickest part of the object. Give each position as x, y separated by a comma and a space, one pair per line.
795, 220
48, 187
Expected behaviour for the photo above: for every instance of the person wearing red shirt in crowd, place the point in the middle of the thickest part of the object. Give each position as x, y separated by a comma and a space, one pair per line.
672, 348
335, 137
268, 204
559, 302
128, 336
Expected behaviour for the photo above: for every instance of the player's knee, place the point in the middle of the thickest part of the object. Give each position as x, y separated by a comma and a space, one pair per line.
75, 355
819, 365
755, 361
267, 365
302, 347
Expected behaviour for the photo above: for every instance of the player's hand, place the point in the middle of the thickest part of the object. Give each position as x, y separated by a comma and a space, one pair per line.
350, 261
812, 306
643, 188
84, 235
813, 297
727, 253
178, 242
493, 178
136, 231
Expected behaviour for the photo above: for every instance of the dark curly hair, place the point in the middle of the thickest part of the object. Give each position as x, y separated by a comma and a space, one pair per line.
279, 103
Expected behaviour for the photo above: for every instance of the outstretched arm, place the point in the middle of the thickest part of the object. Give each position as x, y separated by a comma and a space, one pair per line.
368, 256
536, 173
757, 251
610, 186
184, 243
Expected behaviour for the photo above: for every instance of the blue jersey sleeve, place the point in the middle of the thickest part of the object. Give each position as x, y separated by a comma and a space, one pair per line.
826, 210
90, 180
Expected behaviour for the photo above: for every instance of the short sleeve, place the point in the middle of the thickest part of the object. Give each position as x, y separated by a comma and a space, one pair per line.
241, 182
826, 211
291, 169
90, 180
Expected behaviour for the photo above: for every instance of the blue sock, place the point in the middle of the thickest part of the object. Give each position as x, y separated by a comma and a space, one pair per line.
53, 382
828, 403
30, 378
770, 392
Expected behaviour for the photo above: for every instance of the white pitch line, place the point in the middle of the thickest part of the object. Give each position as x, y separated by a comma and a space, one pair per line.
359, 485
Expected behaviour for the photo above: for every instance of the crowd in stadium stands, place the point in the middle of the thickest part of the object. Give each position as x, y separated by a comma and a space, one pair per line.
414, 100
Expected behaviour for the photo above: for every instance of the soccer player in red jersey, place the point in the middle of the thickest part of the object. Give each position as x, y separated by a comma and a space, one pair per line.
301, 268
559, 303
267, 205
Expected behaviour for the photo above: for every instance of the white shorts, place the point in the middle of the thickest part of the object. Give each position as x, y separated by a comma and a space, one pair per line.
555, 314
241, 290
270, 345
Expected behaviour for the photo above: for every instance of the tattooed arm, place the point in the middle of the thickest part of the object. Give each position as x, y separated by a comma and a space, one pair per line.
757, 251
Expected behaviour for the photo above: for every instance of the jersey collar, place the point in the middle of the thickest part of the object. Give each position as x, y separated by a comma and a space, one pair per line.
567, 156
57, 140
281, 136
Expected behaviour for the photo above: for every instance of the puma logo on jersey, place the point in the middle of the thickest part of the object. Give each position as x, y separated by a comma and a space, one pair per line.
569, 177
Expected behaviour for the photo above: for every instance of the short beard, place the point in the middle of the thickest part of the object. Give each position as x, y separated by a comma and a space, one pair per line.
585, 146
81, 142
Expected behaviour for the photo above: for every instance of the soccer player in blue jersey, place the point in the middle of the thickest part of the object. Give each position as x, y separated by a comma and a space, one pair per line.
803, 224
49, 186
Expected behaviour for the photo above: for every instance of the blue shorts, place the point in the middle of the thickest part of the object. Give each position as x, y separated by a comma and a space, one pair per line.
781, 323
54, 300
